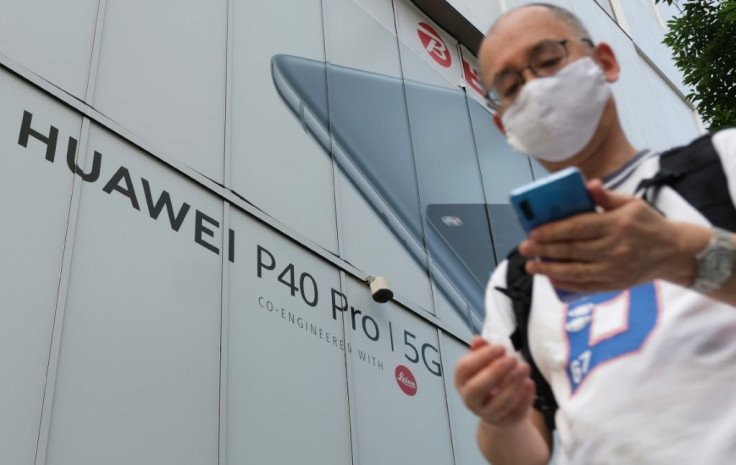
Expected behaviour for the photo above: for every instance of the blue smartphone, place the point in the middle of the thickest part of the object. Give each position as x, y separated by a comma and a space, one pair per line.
555, 197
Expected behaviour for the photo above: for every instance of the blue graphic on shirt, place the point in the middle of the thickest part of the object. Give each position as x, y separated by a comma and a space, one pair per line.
584, 357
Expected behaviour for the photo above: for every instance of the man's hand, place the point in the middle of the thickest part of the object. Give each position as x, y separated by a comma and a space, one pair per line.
493, 385
629, 243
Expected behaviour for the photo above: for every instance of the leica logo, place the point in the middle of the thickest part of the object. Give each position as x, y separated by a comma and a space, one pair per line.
406, 381
434, 45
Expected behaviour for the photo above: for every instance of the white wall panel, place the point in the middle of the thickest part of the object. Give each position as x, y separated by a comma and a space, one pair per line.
429, 42
162, 76
51, 38
399, 410
275, 164
463, 422
648, 33
669, 120
370, 124
138, 368
357, 39
650, 111
471, 76
34, 200
286, 395
450, 188
381, 10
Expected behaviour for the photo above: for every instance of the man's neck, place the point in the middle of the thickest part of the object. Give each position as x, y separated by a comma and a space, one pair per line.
606, 153
607, 157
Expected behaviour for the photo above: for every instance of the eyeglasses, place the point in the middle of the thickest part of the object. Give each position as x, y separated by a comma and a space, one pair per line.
546, 59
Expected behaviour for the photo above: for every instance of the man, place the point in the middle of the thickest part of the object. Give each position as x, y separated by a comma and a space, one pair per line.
644, 368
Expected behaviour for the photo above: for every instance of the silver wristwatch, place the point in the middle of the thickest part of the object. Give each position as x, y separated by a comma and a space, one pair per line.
715, 262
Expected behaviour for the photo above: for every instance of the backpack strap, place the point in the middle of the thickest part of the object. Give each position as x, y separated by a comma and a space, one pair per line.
696, 173
519, 290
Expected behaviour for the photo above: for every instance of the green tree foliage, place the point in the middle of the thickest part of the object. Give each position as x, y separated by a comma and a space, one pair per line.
703, 43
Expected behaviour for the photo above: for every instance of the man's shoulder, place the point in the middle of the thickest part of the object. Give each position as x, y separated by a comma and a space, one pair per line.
498, 277
500, 320
724, 142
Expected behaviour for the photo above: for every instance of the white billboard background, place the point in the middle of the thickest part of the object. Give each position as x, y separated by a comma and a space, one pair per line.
274, 163
53, 39
428, 42
471, 76
398, 407
365, 240
161, 74
381, 10
446, 159
286, 376
35, 196
463, 424
138, 362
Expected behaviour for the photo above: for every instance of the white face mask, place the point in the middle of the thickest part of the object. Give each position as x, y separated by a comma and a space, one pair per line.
555, 117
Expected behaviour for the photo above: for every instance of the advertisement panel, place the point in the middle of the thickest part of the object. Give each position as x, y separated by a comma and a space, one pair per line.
451, 192
53, 39
370, 142
471, 76
285, 372
428, 42
381, 10
396, 383
35, 192
363, 123
463, 423
161, 74
134, 374
154, 313
273, 163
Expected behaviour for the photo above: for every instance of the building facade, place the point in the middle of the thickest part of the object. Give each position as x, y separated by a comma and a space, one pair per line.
196, 195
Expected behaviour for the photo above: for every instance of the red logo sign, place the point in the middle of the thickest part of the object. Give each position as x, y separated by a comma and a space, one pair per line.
406, 380
472, 77
434, 45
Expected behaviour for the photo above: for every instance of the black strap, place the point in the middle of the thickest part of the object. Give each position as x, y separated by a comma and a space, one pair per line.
696, 173
519, 290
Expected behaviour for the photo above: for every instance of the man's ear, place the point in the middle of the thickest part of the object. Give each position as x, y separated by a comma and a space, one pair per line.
603, 54
499, 123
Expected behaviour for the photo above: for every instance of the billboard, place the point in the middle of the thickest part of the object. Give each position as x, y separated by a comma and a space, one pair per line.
196, 197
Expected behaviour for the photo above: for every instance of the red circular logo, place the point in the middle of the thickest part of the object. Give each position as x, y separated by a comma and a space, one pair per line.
434, 45
406, 380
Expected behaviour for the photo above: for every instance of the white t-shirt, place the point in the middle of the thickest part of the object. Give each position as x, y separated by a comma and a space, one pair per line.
643, 376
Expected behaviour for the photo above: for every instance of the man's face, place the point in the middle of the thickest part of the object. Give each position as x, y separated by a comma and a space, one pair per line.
512, 44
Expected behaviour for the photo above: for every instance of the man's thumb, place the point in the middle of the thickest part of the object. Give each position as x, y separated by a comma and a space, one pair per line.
608, 200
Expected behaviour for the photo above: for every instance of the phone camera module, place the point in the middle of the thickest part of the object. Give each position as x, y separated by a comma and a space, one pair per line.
452, 221
526, 209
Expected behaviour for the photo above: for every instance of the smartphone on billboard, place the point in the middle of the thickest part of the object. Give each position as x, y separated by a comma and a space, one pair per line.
555, 197
365, 129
